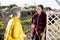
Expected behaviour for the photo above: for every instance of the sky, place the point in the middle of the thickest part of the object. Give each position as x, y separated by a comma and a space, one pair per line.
21, 3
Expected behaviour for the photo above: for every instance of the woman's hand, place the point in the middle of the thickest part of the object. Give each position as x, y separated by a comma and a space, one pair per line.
32, 26
25, 35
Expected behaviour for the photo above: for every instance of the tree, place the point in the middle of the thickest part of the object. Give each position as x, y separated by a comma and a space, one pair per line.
31, 7
3, 17
47, 8
11, 6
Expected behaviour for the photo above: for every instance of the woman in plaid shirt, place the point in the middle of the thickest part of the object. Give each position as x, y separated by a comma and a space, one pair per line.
38, 22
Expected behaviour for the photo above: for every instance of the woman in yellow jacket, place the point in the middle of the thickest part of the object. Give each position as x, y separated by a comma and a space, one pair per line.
14, 28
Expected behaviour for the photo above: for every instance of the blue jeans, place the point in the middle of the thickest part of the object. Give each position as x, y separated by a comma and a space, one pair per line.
37, 37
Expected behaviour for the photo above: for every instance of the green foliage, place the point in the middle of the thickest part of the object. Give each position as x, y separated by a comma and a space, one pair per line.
26, 22
1, 24
2, 29
24, 13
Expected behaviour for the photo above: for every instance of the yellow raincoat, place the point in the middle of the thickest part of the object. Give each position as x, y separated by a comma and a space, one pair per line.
15, 30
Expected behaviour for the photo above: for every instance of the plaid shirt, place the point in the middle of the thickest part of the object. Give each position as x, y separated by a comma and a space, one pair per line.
41, 23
